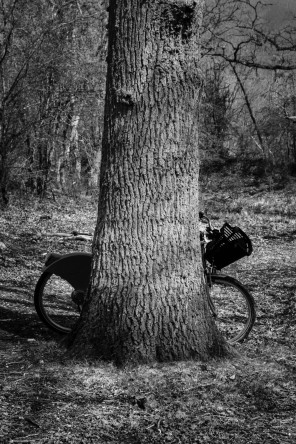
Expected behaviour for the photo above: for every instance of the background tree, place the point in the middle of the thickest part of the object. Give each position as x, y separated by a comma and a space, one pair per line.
53, 72
147, 299
256, 42
216, 112
52, 90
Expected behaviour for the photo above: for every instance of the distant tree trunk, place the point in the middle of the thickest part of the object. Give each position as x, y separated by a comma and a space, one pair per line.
260, 143
3, 177
64, 164
43, 169
69, 161
147, 299
95, 169
74, 140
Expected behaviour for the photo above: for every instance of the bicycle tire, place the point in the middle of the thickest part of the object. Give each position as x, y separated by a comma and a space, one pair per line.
234, 308
53, 303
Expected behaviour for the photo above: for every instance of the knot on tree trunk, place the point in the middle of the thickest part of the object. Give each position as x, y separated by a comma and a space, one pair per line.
177, 17
124, 97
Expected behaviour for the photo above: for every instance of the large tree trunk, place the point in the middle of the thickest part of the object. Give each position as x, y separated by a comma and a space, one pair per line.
147, 299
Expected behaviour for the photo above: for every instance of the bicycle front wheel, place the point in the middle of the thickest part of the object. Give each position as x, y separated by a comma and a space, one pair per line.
234, 308
53, 299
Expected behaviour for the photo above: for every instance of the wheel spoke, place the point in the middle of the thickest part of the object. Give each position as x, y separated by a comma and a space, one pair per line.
234, 307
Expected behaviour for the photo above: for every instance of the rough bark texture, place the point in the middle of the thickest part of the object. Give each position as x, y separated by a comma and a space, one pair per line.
147, 298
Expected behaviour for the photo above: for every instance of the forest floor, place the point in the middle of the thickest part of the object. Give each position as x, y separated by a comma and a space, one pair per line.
47, 398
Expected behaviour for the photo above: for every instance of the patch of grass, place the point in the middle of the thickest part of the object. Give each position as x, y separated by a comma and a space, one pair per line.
185, 402
259, 210
46, 398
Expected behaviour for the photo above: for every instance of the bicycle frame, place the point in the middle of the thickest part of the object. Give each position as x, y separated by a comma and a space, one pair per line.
208, 278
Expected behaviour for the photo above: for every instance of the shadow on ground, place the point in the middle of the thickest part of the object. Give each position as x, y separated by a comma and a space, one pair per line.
18, 319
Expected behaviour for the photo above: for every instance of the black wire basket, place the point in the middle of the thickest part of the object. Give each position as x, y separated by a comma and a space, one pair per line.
231, 245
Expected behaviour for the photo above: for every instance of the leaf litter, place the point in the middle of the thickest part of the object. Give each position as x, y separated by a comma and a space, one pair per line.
47, 398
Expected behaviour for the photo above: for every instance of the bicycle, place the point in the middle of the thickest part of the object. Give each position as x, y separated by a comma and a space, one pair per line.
231, 304
60, 291
62, 286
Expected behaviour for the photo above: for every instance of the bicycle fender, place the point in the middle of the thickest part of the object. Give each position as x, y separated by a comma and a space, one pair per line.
219, 275
75, 268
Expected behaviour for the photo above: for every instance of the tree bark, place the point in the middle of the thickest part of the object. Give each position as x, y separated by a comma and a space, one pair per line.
146, 300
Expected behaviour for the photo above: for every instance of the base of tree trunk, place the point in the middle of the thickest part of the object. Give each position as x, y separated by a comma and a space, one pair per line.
122, 354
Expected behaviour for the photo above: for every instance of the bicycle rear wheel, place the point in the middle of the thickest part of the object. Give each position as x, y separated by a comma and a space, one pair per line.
234, 308
53, 299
